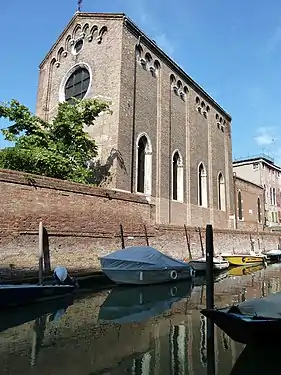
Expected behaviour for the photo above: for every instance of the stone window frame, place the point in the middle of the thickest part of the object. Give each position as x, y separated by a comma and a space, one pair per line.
81, 39
221, 192
68, 74
148, 165
180, 180
202, 180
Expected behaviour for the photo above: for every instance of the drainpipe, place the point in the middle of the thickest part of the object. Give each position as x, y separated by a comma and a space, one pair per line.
235, 201
134, 117
169, 153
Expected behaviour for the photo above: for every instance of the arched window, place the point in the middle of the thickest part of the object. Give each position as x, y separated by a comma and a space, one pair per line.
177, 177
202, 186
240, 209
259, 210
221, 192
144, 165
77, 84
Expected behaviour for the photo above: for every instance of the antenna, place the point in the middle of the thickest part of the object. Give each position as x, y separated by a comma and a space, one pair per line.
79, 5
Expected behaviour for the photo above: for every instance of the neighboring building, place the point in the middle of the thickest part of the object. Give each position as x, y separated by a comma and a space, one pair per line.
261, 170
166, 138
249, 205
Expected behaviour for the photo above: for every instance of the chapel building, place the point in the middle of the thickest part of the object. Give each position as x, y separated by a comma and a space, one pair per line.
166, 138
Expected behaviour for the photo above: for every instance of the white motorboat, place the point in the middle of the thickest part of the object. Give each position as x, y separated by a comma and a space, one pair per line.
199, 265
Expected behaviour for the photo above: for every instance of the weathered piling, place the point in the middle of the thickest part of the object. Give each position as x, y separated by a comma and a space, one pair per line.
41, 253
211, 368
187, 242
122, 236
209, 267
201, 241
146, 236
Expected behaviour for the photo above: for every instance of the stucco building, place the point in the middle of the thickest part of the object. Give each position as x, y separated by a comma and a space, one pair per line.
249, 205
166, 137
261, 170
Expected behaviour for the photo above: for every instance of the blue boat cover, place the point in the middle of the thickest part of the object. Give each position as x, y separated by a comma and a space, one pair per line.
266, 307
140, 258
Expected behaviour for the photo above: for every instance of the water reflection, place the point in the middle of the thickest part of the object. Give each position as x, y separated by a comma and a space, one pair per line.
137, 303
121, 332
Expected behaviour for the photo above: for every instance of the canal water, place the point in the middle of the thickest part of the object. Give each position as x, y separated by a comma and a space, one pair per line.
134, 330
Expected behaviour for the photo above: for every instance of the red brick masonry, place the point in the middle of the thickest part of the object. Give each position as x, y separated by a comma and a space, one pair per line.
83, 222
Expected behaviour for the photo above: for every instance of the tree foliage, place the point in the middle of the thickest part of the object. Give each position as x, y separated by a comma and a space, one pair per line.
60, 148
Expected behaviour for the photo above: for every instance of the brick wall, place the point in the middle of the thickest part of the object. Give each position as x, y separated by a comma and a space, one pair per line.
83, 222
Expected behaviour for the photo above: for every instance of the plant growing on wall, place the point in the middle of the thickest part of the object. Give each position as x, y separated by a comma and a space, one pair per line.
60, 148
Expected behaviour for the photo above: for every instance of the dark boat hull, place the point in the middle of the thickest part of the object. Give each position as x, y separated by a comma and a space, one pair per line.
244, 329
18, 295
22, 314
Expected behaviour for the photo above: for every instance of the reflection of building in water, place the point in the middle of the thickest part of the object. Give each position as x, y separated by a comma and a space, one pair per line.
179, 344
203, 340
172, 343
142, 366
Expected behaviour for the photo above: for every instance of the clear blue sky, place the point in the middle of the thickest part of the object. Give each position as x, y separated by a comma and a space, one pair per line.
231, 48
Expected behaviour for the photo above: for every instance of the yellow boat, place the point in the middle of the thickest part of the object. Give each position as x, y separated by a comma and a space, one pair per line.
244, 259
244, 270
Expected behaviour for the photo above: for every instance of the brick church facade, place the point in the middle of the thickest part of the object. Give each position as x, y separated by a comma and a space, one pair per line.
166, 138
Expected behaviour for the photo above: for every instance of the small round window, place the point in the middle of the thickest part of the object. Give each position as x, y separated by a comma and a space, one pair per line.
77, 84
78, 46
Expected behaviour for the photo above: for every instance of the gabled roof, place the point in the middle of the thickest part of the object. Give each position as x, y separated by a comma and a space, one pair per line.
134, 29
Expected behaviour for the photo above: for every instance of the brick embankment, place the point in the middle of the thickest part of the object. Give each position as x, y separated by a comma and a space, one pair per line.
83, 222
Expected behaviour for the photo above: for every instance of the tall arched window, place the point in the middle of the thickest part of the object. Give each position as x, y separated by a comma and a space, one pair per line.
144, 165
221, 192
259, 210
240, 209
202, 186
177, 177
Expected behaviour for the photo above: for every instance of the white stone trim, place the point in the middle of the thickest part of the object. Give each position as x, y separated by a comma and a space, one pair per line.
180, 185
68, 74
73, 46
147, 165
204, 186
221, 194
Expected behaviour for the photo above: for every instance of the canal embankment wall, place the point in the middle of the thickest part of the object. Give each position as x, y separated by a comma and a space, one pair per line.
82, 223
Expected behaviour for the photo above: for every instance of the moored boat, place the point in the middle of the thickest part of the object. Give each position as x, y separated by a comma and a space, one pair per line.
244, 259
199, 265
143, 265
23, 294
253, 321
273, 255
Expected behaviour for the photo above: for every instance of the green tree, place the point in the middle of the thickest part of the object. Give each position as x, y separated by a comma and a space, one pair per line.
60, 148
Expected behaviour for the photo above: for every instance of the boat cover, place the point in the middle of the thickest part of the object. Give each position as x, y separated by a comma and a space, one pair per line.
266, 307
140, 258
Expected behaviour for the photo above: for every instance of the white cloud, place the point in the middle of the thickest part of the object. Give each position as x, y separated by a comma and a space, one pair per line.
265, 136
151, 26
274, 40
164, 43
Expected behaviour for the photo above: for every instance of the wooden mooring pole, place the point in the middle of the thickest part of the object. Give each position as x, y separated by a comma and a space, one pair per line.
201, 242
122, 236
146, 236
187, 242
211, 367
41, 253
